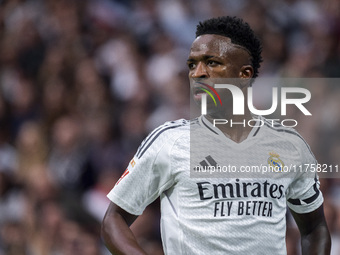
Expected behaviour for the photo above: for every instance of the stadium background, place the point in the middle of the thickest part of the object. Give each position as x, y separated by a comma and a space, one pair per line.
83, 82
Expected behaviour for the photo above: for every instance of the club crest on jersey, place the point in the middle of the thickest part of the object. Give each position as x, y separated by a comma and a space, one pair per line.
275, 161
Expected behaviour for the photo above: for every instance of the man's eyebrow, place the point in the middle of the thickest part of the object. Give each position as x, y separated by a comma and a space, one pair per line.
205, 57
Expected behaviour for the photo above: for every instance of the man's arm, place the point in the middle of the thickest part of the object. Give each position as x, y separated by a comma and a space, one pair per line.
315, 237
116, 233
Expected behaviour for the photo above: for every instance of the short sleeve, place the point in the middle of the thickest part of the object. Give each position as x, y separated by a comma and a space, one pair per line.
306, 196
147, 175
304, 193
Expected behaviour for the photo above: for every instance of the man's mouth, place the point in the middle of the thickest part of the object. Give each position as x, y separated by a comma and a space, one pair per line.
198, 92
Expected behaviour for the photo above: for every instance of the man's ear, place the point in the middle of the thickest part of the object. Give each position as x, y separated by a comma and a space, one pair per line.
246, 74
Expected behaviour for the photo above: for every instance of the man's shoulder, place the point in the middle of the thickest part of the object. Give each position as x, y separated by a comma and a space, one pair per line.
277, 128
165, 134
171, 128
284, 133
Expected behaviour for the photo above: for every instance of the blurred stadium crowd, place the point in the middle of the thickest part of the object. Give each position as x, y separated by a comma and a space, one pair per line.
82, 82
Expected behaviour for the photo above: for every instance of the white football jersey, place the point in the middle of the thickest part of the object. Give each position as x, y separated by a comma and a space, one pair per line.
211, 212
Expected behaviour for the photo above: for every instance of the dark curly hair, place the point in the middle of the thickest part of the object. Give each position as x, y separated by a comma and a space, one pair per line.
238, 31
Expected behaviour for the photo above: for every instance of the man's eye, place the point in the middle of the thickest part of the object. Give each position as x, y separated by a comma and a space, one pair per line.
191, 66
212, 63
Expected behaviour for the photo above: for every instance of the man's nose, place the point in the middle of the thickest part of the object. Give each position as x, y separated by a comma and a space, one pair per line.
200, 71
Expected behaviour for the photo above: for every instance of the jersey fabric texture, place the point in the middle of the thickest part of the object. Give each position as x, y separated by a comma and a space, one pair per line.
206, 214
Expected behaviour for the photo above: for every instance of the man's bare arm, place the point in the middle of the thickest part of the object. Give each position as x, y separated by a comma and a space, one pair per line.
116, 233
315, 237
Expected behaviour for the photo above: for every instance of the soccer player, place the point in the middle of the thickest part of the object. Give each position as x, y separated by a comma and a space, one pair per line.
225, 214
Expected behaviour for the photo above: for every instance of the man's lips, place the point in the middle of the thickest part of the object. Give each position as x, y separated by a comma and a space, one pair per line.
200, 88
198, 93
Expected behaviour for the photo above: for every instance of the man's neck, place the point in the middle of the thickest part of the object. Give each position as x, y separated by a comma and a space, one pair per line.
237, 128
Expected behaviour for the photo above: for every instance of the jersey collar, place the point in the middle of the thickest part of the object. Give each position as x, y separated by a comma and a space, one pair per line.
216, 131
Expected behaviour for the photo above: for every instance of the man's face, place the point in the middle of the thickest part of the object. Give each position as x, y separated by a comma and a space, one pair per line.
214, 57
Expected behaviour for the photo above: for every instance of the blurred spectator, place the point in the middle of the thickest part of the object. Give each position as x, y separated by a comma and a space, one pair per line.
11, 199
68, 156
46, 231
13, 239
56, 102
32, 148
95, 200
